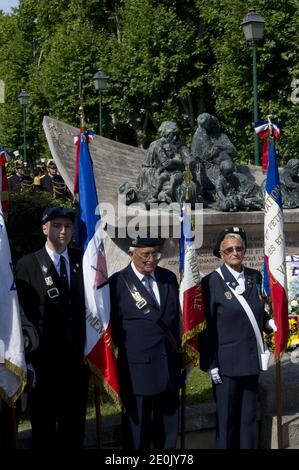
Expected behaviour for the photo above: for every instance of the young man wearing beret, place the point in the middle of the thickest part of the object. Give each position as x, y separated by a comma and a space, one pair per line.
51, 292
145, 324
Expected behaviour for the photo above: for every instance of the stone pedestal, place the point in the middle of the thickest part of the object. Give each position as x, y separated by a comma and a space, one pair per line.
212, 223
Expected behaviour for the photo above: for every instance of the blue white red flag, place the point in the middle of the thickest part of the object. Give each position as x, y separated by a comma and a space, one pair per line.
13, 371
99, 348
191, 293
275, 276
263, 130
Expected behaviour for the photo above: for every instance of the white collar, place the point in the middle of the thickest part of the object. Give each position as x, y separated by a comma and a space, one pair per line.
236, 274
139, 275
55, 257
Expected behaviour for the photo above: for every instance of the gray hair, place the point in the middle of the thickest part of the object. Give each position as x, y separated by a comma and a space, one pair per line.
232, 235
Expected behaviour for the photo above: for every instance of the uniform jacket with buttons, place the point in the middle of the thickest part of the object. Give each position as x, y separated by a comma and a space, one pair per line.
147, 359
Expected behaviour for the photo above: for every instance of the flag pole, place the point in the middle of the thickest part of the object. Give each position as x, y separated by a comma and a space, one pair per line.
187, 180
277, 362
278, 349
278, 403
97, 391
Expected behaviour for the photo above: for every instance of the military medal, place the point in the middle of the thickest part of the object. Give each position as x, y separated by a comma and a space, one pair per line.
49, 281
228, 295
240, 290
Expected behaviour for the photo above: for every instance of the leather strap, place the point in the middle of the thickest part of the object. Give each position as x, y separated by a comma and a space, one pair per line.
142, 305
52, 290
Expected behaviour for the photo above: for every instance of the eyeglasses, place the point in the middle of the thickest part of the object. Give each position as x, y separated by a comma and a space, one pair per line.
231, 249
146, 256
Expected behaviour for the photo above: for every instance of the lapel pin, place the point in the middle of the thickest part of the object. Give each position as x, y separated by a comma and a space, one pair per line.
228, 295
49, 281
44, 268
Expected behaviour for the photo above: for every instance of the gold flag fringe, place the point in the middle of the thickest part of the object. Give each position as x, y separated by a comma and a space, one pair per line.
19, 373
99, 378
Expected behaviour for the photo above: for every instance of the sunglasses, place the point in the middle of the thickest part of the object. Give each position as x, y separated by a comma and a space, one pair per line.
231, 249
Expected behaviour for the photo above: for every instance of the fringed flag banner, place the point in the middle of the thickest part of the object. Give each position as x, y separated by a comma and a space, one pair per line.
13, 371
99, 348
191, 293
275, 276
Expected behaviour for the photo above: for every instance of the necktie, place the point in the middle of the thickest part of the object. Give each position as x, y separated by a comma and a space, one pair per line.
63, 275
148, 286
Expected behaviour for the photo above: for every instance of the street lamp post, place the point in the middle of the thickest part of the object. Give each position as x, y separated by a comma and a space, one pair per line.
24, 99
100, 82
253, 27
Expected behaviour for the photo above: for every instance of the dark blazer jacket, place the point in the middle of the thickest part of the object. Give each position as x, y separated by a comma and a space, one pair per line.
229, 342
60, 322
148, 361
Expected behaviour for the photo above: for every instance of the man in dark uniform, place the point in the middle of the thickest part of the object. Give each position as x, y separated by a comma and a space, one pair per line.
145, 323
15, 180
229, 352
51, 292
53, 183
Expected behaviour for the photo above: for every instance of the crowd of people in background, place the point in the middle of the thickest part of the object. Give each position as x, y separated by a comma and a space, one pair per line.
44, 176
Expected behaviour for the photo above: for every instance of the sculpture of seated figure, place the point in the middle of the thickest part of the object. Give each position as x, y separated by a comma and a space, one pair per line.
209, 147
290, 184
161, 177
231, 195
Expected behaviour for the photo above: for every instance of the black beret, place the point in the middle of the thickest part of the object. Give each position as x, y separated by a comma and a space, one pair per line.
51, 164
145, 242
58, 211
226, 231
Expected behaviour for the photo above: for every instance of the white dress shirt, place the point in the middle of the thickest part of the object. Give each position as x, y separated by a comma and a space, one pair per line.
55, 257
154, 282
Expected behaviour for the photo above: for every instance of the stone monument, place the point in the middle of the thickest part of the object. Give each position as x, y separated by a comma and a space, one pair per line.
115, 164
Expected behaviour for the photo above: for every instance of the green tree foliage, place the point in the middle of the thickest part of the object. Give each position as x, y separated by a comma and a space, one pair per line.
166, 59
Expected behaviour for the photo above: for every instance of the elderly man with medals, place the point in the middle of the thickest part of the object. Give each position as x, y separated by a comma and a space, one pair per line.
145, 316
235, 318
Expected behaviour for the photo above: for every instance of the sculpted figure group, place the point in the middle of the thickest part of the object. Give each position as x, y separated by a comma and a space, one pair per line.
208, 171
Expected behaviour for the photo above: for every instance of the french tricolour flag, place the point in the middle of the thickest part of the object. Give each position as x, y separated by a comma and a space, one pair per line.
99, 348
263, 129
275, 278
191, 293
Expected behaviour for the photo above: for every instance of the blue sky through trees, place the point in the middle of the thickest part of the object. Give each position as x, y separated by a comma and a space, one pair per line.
6, 5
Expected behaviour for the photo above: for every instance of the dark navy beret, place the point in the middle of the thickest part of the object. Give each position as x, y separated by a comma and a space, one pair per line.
223, 233
58, 211
145, 242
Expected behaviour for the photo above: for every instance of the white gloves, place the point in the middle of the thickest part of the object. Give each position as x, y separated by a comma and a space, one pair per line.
271, 324
214, 375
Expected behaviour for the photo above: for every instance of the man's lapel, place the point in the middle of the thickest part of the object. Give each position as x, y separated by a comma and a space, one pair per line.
49, 268
141, 288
